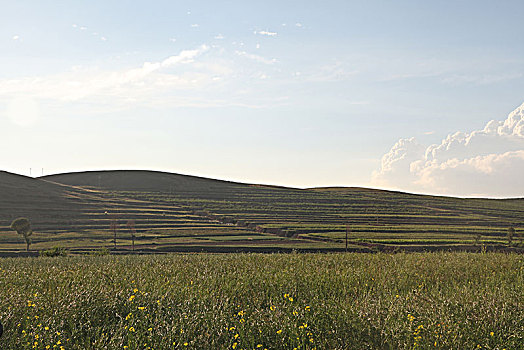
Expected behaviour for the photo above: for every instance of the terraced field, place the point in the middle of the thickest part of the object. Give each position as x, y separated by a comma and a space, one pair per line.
80, 219
174, 212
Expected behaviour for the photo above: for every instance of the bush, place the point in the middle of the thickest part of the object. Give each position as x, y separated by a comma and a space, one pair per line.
55, 251
100, 252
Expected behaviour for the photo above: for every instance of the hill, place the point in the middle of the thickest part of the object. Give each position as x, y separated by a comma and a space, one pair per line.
382, 218
173, 212
144, 181
26, 196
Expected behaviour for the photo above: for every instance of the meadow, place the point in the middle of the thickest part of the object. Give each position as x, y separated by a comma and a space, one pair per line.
264, 301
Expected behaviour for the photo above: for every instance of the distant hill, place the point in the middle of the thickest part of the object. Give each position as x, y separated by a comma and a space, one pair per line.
175, 212
20, 195
326, 205
40, 200
141, 180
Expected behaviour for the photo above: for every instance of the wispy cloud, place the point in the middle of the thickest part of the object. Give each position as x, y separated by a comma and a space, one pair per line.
337, 71
256, 58
16, 37
80, 84
94, 34
265, 32
480, 79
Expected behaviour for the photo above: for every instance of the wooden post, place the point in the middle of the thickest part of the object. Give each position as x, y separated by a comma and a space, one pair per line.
347, 231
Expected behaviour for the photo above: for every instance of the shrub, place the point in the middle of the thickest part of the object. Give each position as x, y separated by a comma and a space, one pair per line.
55, 251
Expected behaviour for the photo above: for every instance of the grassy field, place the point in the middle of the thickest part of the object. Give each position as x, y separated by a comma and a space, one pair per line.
254, 301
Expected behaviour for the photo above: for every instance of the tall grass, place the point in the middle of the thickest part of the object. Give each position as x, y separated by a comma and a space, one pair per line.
252, 301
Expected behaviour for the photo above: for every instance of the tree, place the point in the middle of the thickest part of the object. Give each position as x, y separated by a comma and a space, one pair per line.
114, 227
131, 227
22, 226
477, 238
511, 233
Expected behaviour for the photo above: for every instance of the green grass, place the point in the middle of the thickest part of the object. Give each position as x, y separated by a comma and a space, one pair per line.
303, 301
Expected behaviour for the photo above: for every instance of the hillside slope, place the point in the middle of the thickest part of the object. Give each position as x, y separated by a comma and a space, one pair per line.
318, 213
144, 181
173, 212
45, 203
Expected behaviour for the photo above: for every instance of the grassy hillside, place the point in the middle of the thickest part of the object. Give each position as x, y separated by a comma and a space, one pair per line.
318, 214
80, 218
186, 213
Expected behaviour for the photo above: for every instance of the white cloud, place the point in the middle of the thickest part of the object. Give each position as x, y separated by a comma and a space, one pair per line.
195, 25
256, 58
94, 33
219, 37
482, 79
498, 175
80, 84
266, 33
337, 71
298, 25
184, 80
487, 162
16, 37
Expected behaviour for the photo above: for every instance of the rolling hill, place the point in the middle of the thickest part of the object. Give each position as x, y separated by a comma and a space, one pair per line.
173, 212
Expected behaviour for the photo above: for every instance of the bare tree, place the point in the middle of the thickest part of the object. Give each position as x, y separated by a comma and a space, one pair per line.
113, 226
131, 227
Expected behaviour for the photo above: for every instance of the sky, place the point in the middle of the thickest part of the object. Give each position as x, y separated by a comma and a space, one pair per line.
415, 96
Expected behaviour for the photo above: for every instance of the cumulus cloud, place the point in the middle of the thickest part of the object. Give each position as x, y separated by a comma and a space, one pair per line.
487, 162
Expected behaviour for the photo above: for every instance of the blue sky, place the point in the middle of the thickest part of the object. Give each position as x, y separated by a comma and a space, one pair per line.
292, 93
